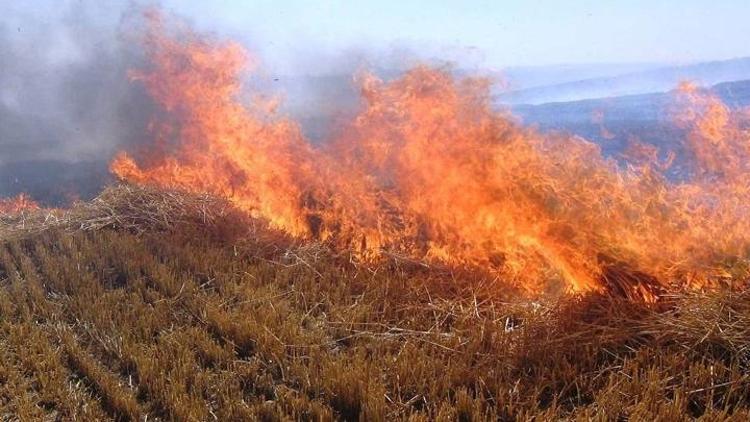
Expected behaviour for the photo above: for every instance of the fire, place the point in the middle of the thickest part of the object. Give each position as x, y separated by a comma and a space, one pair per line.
17, 204
427, 168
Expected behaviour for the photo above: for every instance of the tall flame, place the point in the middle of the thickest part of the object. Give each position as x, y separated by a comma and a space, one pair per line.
427, 168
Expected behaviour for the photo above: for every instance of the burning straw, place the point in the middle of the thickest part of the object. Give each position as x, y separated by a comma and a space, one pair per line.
430, 171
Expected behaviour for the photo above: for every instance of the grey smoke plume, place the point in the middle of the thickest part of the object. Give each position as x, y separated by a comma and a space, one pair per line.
66, 102
64, 91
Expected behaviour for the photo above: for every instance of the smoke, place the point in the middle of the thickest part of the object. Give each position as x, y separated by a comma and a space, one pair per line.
65, 91
66, 103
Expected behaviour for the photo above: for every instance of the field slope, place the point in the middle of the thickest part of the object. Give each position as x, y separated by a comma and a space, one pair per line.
146, 304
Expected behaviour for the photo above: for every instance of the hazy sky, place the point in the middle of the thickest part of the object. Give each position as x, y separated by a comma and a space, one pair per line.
496, 33
486, 33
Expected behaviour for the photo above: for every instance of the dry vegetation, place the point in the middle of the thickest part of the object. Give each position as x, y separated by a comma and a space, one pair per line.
156, 305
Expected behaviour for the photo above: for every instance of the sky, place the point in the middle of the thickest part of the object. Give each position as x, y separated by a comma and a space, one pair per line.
488, 34
492, 33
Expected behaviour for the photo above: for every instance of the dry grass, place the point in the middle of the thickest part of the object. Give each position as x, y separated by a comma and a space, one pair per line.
146, 304
122, 207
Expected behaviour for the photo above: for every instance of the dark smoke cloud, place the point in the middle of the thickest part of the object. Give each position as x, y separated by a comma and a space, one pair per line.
66, 103
63, 78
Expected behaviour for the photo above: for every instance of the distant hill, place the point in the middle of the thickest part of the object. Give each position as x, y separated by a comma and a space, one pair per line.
526, 77
612, 121
623, 108
660, 79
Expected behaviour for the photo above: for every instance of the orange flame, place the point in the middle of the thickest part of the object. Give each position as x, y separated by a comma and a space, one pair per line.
428, 169
17, 204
